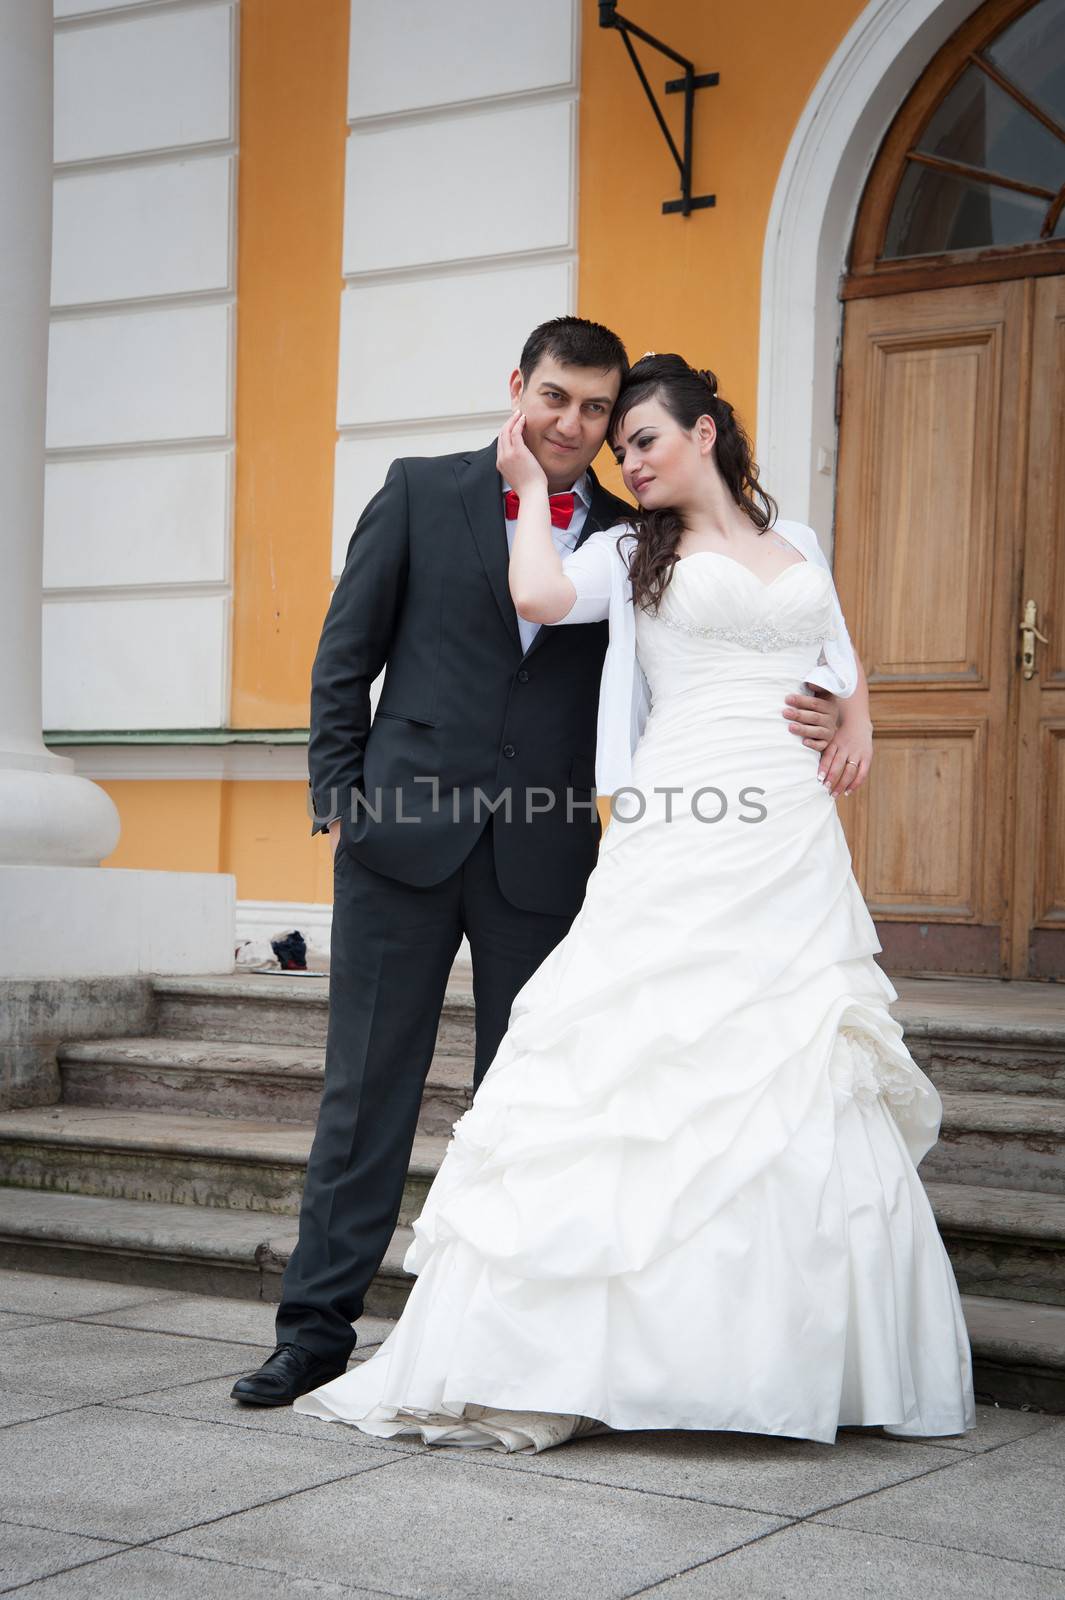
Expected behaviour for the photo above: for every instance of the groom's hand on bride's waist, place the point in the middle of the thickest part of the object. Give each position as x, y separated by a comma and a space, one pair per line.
814, 718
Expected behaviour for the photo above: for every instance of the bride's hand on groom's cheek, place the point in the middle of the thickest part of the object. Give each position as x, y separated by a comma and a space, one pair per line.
515, 462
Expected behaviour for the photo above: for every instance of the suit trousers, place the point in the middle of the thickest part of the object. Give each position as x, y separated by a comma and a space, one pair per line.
392, 949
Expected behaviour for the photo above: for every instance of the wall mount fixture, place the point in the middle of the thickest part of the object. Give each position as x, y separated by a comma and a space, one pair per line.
692, 80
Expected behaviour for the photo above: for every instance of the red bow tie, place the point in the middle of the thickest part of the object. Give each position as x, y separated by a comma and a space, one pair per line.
561, 508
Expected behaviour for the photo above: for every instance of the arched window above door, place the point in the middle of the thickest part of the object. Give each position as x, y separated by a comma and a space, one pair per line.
974, 163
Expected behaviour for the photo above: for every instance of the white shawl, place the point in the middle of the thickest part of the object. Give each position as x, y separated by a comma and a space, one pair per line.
599, 571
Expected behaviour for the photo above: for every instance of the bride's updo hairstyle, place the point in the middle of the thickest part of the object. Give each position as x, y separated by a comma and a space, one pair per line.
687, 393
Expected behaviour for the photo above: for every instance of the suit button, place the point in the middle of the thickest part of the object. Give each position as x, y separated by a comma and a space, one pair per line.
509, 750
523, 676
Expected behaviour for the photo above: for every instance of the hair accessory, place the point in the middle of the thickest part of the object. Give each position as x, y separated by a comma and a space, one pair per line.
648, 353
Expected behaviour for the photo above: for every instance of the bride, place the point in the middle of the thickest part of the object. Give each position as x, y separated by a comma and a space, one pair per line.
686, 1195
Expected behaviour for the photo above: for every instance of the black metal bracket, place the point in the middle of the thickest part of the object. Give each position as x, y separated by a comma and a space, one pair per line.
692, 80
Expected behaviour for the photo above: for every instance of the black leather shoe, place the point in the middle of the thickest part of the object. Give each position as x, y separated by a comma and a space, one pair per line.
288, 1373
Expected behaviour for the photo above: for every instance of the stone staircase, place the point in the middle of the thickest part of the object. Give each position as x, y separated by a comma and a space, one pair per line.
177, 1158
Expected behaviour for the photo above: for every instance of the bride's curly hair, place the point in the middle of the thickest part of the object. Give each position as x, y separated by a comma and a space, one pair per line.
687, 393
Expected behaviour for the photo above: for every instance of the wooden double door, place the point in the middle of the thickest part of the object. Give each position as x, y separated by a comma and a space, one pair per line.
950, 525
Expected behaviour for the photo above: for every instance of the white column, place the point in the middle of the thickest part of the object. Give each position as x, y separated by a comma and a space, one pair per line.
48, 816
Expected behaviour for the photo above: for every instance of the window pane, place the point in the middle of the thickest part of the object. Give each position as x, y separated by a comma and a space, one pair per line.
1031, 53
982, 125
935, 212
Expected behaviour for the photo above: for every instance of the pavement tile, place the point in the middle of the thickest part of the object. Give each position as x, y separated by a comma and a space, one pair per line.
834, 1564
1045, 1448
28, 1553
126, 1476
995, 1503
81, 1362
10, 1320
53, 1296
995, 1425
239, 1321
792, 1477
23, 1405
210, 1402
158, 1575
236, 1321
425, 1526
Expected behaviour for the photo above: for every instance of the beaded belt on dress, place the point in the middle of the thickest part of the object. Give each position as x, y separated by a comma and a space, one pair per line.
755, 636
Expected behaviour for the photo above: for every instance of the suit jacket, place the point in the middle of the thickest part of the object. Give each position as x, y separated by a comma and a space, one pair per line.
466, 717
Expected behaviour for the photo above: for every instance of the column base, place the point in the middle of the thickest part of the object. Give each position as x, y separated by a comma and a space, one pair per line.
95, 922
51, 817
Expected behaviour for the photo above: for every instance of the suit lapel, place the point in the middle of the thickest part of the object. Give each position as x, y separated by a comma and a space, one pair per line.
482, 496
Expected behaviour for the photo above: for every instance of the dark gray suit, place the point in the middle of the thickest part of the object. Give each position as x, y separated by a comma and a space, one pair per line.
424, 594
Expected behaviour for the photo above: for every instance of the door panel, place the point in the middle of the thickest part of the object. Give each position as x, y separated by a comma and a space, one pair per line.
927, 562
934, 414
925, 871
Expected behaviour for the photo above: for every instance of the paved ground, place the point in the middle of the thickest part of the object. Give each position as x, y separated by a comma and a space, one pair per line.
125, 1470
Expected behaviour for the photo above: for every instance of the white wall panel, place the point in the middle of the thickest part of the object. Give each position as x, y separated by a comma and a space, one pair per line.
161, 229
145, 663
441, 347
137, 519
420, 53
144, 83
444, 191
139, 377
76, 8
361, 465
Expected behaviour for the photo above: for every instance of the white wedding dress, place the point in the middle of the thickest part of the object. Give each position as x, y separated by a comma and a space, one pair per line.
685, 1195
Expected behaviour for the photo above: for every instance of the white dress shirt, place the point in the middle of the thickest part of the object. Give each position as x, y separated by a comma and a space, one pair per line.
565, 541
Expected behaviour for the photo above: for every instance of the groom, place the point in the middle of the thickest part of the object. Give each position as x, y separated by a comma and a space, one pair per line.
465, 806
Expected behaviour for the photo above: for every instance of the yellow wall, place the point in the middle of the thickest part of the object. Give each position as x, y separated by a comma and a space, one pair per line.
692, 284
259, 831
293, 127
266, 842
168, 826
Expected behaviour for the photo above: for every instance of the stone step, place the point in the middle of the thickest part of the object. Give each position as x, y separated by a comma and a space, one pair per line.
227, 1164
1004, 1243
239, 1254
232, 1079
969, 1035
1008, 1243
974, 1035
1018, 1351
1002, 1140
253, 1008
1005, 1141
281, 1082
280, 1009
1018, 1346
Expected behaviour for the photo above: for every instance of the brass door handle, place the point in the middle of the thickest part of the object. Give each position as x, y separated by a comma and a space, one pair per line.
1029, 634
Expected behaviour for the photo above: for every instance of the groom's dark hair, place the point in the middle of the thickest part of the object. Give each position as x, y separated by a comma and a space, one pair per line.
574, 342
